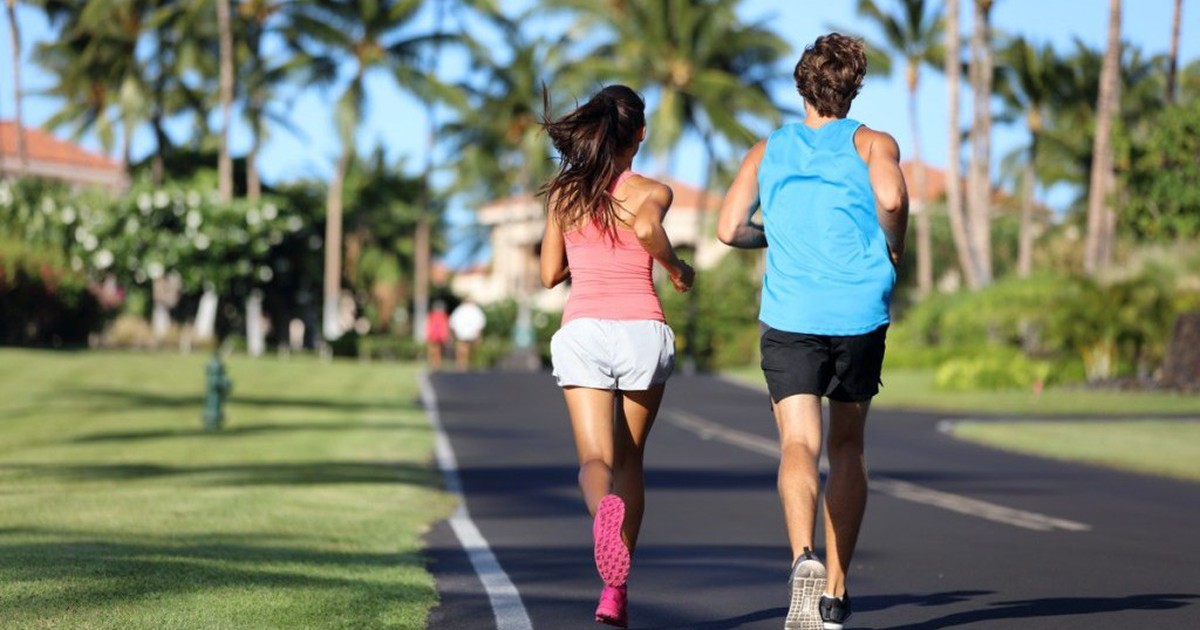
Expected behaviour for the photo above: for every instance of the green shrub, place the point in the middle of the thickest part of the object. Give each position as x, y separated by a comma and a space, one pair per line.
43, 302
999, 370
388, 347
726, 305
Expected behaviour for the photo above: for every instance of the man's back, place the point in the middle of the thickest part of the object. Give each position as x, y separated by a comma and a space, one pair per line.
828, 267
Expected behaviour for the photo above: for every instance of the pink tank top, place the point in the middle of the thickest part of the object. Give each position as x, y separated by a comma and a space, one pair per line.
609, 279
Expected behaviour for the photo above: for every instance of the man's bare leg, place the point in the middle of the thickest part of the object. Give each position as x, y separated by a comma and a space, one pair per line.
845, 490
799, 420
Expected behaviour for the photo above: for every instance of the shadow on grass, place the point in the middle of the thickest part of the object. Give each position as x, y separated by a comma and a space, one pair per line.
102, 400
85, 571
280, 474
238, 430
1054, 607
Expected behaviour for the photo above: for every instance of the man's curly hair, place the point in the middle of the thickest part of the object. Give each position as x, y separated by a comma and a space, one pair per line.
830, 73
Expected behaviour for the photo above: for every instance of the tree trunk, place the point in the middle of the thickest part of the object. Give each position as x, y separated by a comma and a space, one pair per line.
333, 248
423, 248
14, 31
1173, 58
954, 199
224, 161
1101, 218
158, 166
1025, 238
256, 105
979, 179
126, 142
919, 208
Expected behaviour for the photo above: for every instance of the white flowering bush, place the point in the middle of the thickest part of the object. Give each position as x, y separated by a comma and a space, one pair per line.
150, 231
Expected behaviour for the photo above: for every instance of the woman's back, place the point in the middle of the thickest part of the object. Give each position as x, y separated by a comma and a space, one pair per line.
610, 274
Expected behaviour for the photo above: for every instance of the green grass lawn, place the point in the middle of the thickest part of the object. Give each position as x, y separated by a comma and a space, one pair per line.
1168, 448
117, 511
914, 389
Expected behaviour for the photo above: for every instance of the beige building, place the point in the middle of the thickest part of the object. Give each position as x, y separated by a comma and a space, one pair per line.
516, 225
49, 157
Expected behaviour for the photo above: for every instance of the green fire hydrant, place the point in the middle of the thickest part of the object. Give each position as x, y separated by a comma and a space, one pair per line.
215, 392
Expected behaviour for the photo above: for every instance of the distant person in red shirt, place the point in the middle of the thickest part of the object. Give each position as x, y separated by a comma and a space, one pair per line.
437, 333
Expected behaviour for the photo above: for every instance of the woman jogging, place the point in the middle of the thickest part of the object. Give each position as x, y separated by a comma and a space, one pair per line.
614, 352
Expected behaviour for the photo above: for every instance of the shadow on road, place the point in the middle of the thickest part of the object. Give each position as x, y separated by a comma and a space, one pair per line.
1054, 607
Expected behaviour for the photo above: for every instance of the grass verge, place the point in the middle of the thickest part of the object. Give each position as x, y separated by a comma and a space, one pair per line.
117, 511
1168, 448
914, 389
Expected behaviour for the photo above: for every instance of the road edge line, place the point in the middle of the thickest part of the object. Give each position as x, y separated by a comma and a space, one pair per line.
507, 607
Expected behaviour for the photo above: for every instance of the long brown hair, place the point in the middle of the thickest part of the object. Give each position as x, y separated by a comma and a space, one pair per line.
589, 140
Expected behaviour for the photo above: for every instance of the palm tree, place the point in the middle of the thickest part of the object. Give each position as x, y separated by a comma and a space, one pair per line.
1032, 74
496, 134
366, 37
14, 31
914, 34
707, 68
1101, 217
979, 188
97, 79
952, 66
258, 80
224, 161
1173, 58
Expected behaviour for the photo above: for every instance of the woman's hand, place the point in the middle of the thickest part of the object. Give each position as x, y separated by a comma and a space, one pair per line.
683, 277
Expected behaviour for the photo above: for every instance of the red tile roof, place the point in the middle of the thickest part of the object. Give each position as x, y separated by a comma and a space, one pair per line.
43, 147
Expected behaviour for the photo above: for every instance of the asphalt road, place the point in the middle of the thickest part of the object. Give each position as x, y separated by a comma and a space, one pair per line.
956, 535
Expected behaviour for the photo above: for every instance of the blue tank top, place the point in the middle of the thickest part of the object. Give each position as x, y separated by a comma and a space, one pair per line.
828, 269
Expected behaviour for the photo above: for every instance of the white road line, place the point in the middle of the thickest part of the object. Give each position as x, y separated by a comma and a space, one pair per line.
907, 491
502, 593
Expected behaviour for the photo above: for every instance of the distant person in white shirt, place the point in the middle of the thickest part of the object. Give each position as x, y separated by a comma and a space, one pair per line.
466, 322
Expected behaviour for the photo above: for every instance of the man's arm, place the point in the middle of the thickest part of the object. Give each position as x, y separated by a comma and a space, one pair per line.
891, 193
734, 227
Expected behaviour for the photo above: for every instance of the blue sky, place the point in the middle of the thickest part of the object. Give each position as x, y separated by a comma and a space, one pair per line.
398, 123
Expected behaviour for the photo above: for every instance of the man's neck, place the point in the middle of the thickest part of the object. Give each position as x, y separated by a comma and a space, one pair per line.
816, 120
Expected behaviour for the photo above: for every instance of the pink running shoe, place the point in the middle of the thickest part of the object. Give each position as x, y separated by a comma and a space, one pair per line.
612, 556
611, 610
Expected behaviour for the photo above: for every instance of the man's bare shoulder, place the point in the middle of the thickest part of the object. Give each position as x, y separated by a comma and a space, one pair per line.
868, 140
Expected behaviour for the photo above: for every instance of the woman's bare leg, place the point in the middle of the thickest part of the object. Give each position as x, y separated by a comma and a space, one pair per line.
636, 413
591, 412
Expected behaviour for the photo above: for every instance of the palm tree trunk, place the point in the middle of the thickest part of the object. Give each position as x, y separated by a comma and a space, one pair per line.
126, 141
979, 178
257, 124
1025, 237
253, 183
954, 199
14, 31
1101, 218
924, 248
1173, 59
158, 166
333, 248
423, 247
224, 161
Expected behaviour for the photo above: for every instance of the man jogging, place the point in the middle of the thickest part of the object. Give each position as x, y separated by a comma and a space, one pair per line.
834, 214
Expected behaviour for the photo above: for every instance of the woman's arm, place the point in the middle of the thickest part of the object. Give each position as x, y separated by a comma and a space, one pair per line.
648, 227
554, 254
734, 227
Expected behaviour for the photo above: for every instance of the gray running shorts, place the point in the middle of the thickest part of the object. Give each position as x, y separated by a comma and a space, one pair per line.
613, 353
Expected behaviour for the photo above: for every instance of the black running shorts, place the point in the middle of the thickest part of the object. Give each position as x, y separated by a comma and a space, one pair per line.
843, 368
